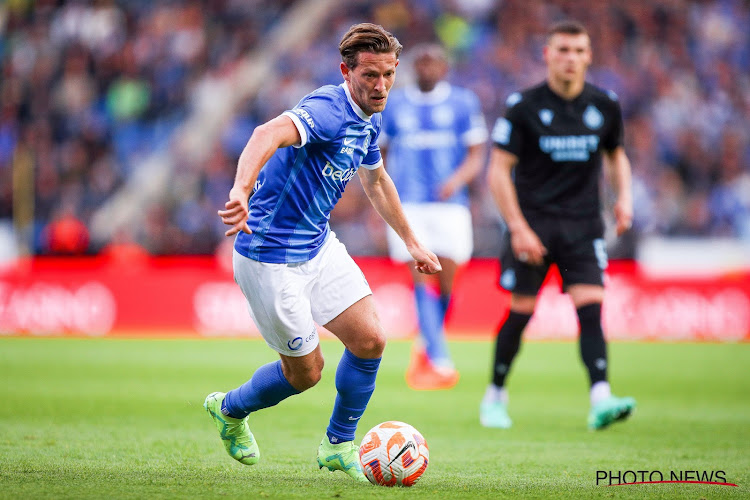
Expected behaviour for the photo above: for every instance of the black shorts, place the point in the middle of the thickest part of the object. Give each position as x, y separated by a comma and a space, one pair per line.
575, 245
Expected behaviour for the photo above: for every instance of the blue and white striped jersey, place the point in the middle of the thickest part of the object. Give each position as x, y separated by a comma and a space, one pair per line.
299, 186
427, 135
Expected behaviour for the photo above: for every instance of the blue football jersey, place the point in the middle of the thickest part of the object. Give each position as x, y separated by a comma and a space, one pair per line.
427, 135
299, 186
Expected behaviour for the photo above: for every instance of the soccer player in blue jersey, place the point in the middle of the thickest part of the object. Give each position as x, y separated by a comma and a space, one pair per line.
434, 139
290, 266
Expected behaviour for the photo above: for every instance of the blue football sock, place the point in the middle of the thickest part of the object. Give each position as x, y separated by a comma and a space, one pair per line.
430, 313
267, 387
355, 381
445, 301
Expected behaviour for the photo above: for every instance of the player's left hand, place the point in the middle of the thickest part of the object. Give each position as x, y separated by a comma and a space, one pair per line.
623, 215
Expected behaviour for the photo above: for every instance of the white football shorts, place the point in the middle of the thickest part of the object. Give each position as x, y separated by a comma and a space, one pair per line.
286, 300
444, 228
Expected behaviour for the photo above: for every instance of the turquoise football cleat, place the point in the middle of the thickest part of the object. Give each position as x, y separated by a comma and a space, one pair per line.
494, 414
610, 410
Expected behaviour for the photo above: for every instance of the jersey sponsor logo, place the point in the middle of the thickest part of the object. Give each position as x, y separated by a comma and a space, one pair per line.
501, 131
305, 116
569, 147
546, 116
349, 140
338, 175
592, 117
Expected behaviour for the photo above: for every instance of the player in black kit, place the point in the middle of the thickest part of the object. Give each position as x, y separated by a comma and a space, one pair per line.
555, 135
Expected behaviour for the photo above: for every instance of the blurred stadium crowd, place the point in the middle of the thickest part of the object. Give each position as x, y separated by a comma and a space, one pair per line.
90, 89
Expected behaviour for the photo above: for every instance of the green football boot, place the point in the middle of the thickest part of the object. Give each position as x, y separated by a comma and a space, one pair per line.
343, 457
494, 414
234, 432
610, 410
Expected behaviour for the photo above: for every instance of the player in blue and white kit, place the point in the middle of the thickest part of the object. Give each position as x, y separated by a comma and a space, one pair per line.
290, 266
435, 135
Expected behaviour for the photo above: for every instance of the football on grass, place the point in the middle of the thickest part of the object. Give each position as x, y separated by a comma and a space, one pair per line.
394, 454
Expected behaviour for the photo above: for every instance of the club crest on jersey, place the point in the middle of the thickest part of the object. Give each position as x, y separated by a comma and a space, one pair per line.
546, 116
592, 117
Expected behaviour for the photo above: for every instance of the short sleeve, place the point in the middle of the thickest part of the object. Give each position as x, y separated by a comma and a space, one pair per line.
373, 159
317, 117
476, 129
614, 137
507, 132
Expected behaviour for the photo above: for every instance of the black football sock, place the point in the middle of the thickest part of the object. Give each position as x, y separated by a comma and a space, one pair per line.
592, 343
507, 344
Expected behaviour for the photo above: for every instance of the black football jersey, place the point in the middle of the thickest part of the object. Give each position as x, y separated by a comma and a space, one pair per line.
558, 144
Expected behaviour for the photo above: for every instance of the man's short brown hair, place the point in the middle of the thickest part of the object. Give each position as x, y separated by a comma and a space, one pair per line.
567, 27
367, 37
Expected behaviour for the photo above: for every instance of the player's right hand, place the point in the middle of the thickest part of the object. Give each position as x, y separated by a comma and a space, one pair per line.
527, 247
425, 261
236, 213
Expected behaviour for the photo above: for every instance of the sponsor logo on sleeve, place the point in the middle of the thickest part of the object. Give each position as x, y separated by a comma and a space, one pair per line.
305, 116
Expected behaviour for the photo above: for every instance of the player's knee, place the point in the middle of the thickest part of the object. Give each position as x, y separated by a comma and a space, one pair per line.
303, 376
583, 295
370, 347
522, 304
306, 378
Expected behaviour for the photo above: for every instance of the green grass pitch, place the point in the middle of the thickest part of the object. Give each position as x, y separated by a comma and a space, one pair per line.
106, 418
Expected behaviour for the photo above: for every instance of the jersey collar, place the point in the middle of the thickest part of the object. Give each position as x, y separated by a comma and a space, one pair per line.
435, 96
354, 105
560, 98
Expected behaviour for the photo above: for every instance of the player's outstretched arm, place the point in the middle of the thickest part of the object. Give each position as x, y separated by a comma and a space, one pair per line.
382, 193
527, 246
265, 140
618, 164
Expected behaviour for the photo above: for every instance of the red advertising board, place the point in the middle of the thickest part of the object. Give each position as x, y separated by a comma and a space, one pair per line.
196, 296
